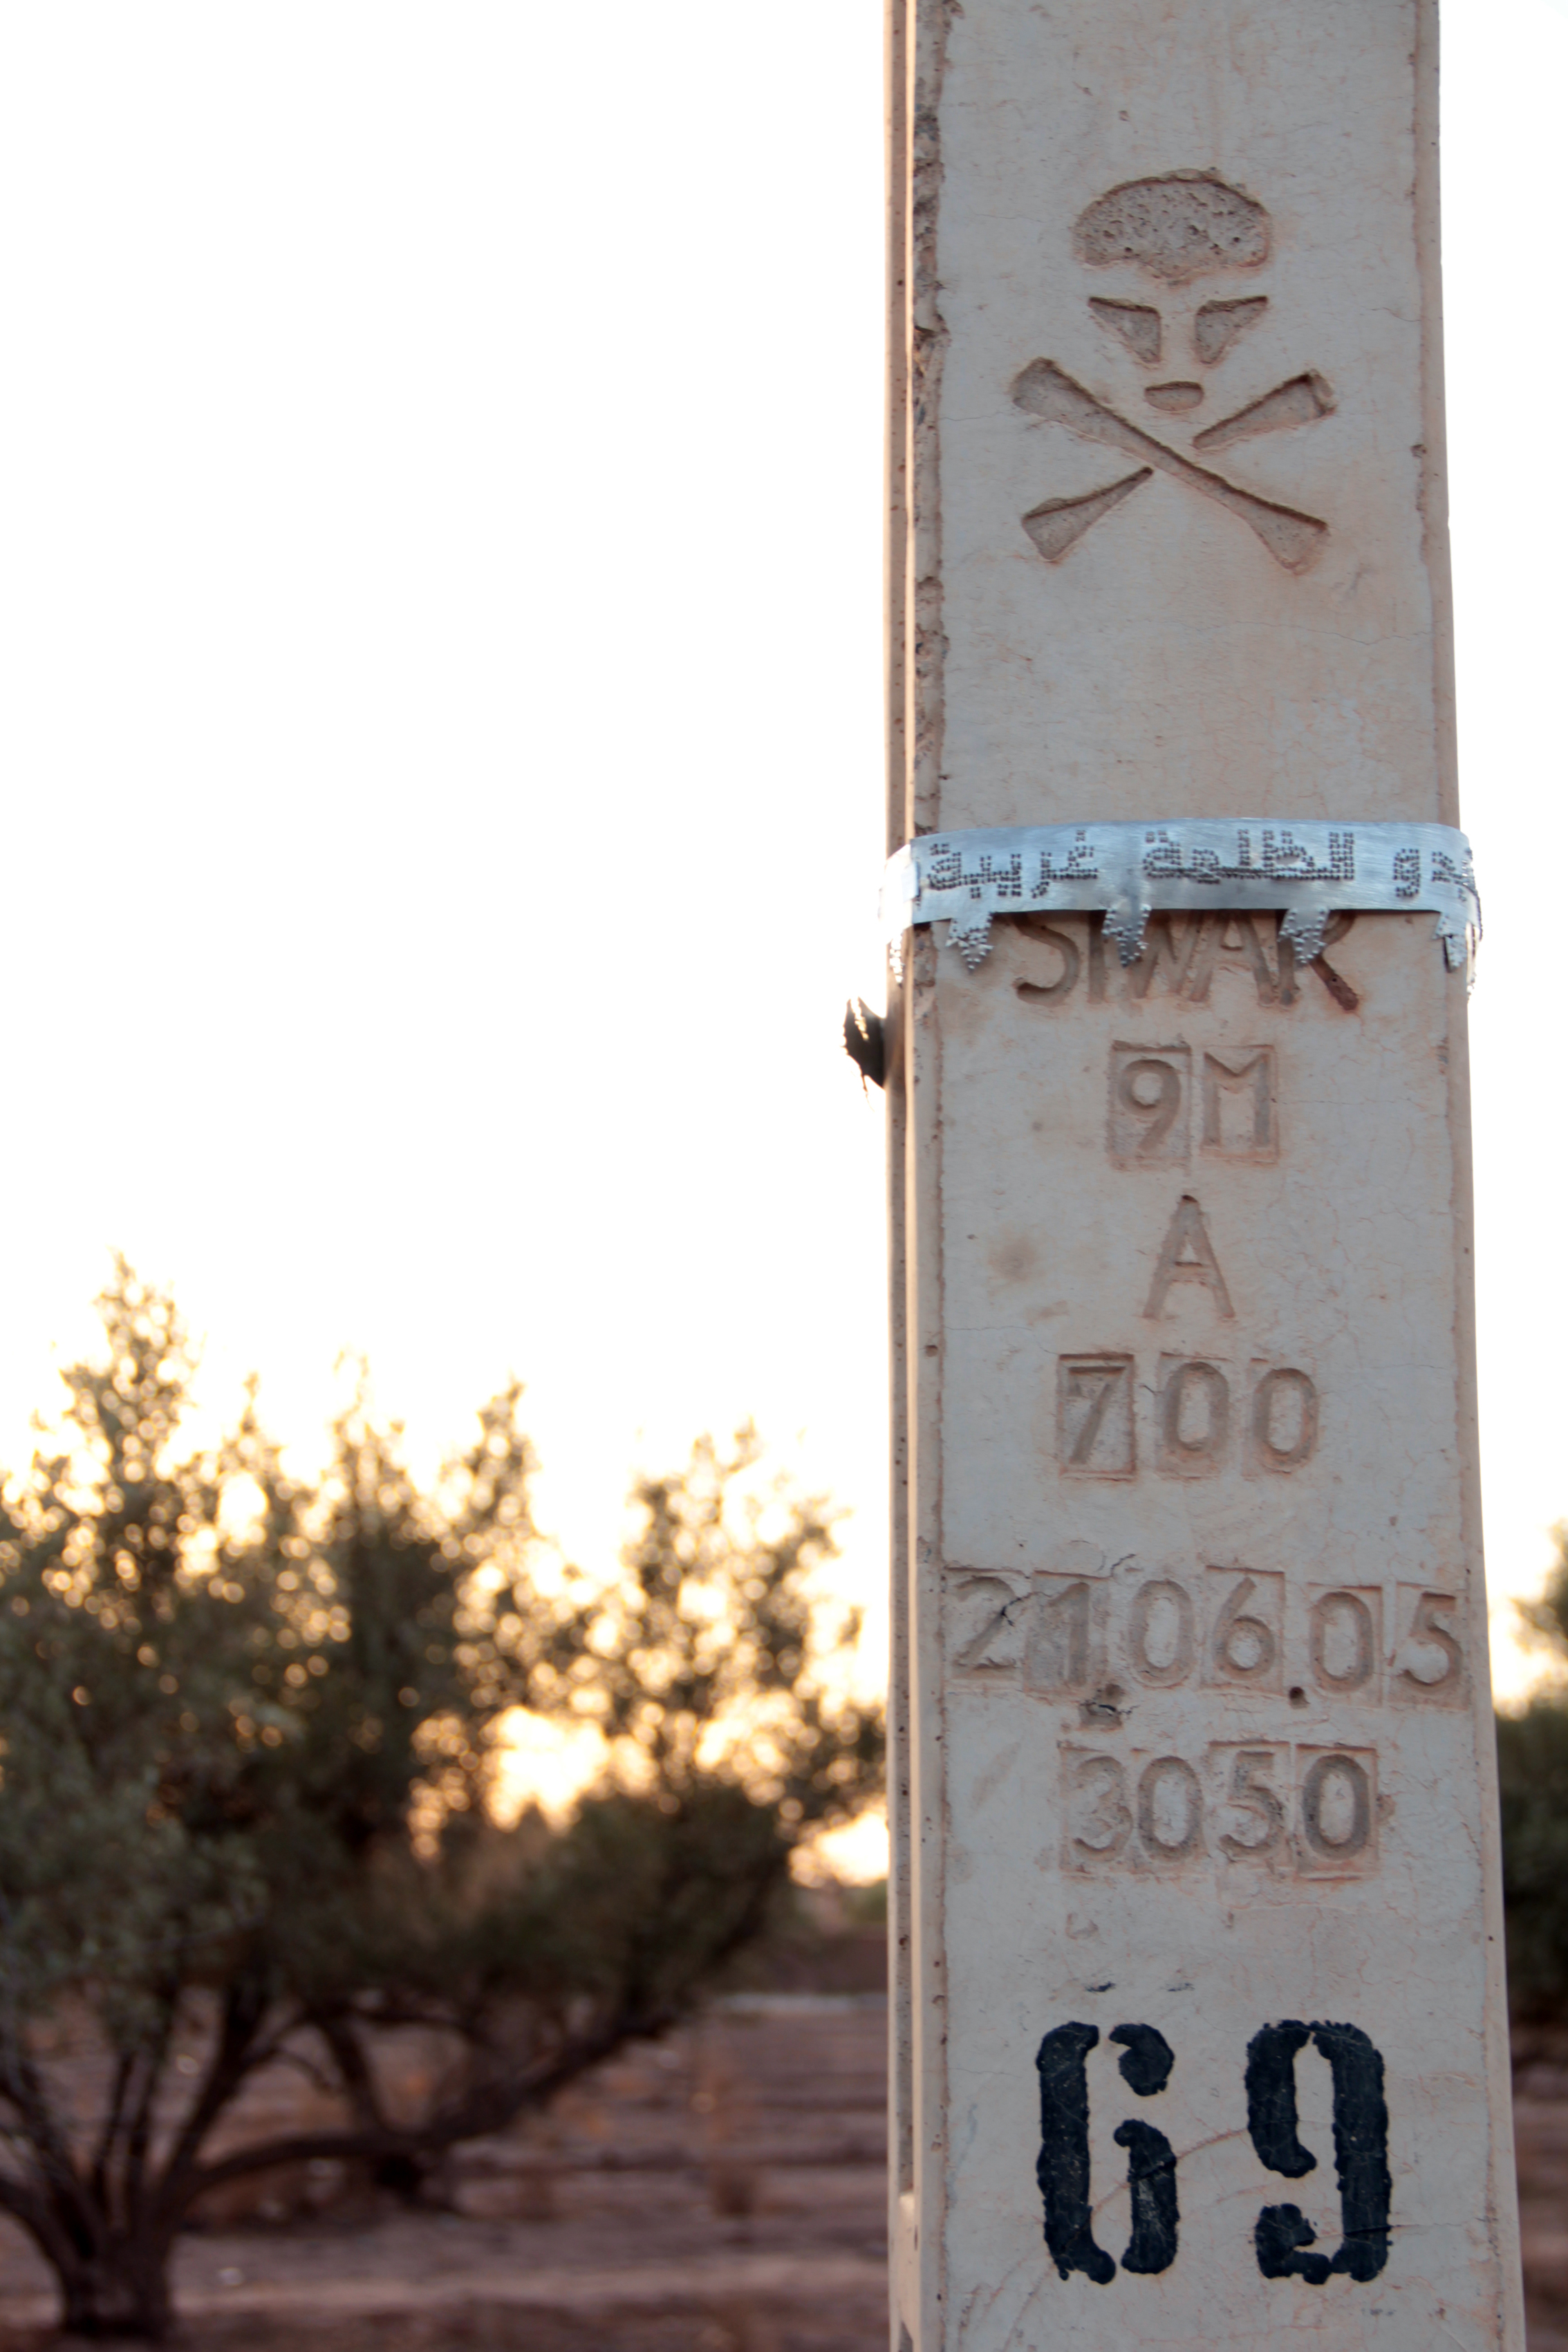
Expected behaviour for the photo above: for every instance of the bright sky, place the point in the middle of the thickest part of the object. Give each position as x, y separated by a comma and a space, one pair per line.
440, 569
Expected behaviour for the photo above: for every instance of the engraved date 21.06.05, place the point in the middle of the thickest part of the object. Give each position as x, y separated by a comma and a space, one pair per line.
1060, 1637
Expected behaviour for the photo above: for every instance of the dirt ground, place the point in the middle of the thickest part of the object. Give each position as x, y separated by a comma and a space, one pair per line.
721, 2192
1541, 2148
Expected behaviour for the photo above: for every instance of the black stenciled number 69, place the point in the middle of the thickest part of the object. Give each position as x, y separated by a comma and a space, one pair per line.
1063, 2171
1360, 2150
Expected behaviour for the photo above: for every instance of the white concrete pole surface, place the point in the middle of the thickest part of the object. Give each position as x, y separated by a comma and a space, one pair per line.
1200, 2028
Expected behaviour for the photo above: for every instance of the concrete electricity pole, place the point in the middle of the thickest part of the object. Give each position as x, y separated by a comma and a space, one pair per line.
1200, 2036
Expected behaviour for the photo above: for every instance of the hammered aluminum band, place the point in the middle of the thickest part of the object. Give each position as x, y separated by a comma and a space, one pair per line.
1306, 869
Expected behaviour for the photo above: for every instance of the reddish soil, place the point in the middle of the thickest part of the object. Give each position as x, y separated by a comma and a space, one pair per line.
723, 2191
1541, 2145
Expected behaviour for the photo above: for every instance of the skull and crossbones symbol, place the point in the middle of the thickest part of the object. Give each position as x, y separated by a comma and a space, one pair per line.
1185, 225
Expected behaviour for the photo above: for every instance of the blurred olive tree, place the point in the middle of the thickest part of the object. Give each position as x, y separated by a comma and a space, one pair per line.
250, 1726
1532, 1774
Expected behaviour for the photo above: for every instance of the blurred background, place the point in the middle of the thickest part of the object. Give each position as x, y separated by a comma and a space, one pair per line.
440, 611
441, 622
440, 540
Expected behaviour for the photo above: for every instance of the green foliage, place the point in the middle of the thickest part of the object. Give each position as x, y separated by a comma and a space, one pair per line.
1532, 1772
1532, 1776
250, 1729
1545, 1620
699, 1663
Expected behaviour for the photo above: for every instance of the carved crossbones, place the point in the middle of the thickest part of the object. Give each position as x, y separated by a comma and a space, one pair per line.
1173, 230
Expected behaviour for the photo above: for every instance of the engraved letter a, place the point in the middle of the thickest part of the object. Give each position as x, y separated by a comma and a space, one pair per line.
1186, 1254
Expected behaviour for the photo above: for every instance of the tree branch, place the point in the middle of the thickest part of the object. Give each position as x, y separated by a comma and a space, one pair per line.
99, 2171
233, 2059
151, 2060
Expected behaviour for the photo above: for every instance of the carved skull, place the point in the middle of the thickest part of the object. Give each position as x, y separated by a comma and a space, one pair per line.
1175, 230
